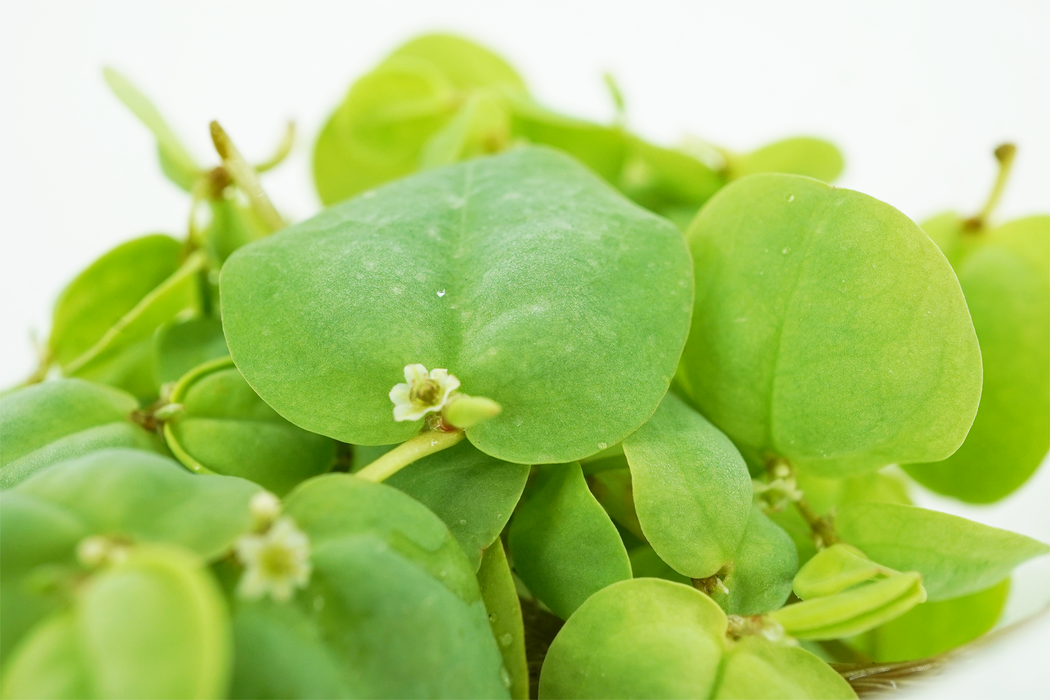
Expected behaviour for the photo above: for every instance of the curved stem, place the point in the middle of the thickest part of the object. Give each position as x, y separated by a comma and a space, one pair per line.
823, 534
1005, 155
426, 443
245, 177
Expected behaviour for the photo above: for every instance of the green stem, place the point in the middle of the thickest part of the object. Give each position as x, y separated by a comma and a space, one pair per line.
245, 177
1005, 155
426, 443
823, 534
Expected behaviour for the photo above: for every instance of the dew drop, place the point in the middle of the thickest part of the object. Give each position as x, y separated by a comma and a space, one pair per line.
504, 676
441, 293
492, 617
462, 522
505, 639
785, 250
791, 198
602, 445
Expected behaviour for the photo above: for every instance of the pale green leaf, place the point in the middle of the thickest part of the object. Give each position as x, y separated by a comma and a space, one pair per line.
828, 329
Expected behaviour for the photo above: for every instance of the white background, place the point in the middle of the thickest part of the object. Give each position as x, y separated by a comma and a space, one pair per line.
917, 94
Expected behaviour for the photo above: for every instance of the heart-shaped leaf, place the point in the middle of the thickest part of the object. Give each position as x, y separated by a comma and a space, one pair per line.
143, 496
521, 274
955, 556
563, 545
692, 491
151, 626
46, 423
225, 428
1005, 275
828, 329
473, 494
392, 608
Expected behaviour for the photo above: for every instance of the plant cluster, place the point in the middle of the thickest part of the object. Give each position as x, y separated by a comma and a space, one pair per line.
492, 420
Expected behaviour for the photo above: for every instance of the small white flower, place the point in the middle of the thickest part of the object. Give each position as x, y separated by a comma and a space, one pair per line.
275, 562
423, 393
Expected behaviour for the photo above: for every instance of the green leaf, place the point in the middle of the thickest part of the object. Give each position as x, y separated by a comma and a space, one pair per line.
33, 533
642, 638
835, 569
828, 329
379, 130
801, 155
225, 428
152, 626
760, 573
759, 669
521, 274
692, 490
181, 345
955, 556
176, 162
662, 178
117, 303
646, 563
935, 627
853, 611
392, 608
233, 223
601, 148
504, 608
462, 62
46, 423
1005, 275
563, 545
143, 496
472, 493
614, 490
480, 127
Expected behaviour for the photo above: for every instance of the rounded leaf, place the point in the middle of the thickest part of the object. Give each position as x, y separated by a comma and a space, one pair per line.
152, 626
642, 638
143, 496
828, 329
392, 608
522, 274
1005, 275
46, 423
758, 669
225, 428
692, 490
